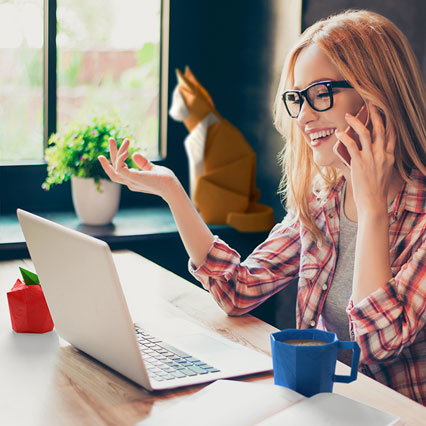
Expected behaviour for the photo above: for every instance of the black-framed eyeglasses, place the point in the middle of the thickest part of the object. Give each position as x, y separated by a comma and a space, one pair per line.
319, 96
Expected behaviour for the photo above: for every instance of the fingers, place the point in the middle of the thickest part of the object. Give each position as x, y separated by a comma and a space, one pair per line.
377, 145
124, 146
112, 149
142, 162
109, 170
383, 131
382, 140
349, 143
117, 169
379, 138
116, 154
104, 163
391, 140
121, 160
118, 158
361, 132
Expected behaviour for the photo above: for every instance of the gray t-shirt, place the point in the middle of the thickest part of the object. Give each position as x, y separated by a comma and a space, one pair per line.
334, 312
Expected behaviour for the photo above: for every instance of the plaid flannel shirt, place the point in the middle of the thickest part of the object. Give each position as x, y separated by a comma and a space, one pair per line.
388, 324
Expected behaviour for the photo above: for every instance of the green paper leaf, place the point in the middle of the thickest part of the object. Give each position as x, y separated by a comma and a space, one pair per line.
30, 278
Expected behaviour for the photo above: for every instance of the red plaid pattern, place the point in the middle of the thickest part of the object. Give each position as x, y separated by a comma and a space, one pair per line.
388, 324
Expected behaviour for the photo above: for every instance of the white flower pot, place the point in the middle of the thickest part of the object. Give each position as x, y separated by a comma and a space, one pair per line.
91, 206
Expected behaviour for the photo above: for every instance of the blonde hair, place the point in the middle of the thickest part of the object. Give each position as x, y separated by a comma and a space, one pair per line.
377, 60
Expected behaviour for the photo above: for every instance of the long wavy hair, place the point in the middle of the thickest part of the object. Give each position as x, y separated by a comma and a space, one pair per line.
377, 60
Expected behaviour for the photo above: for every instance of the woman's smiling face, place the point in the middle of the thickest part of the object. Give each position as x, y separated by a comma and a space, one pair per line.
318, 128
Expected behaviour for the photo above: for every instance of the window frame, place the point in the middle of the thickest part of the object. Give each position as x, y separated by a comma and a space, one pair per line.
20, 181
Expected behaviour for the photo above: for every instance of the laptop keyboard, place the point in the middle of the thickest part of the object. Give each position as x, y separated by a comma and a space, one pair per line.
165, 362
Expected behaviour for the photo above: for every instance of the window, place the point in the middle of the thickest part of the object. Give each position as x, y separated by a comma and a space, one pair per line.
107, 60
63, 58
21, 80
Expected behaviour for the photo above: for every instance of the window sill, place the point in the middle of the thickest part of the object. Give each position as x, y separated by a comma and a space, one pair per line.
130, 225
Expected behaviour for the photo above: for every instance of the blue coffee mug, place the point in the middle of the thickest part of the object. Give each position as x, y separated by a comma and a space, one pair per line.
309, 369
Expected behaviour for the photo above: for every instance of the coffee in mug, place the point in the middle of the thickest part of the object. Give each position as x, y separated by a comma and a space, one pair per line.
305, 342
305, 360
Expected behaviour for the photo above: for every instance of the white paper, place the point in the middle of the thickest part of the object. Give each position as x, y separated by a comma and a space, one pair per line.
227, 402
235, 403
327, 409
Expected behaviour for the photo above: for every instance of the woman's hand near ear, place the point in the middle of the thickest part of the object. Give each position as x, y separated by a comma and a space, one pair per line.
374, 182
372, 168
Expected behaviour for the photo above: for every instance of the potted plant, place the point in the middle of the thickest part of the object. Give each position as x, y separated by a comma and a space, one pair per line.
73, 154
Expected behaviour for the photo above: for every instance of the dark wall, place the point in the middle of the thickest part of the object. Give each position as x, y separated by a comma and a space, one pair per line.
229, 45
408, 15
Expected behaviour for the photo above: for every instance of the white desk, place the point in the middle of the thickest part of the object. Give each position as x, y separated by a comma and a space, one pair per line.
45, 381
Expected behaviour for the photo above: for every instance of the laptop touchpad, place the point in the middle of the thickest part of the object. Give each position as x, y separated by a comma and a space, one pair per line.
200, 343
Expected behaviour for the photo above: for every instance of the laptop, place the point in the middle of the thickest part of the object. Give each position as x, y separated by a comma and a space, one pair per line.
83, 292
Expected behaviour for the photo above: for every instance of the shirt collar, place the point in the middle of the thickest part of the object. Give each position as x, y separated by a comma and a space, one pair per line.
412, 196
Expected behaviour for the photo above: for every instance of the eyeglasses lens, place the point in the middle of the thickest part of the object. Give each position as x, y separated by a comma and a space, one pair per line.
319, 97
293, 102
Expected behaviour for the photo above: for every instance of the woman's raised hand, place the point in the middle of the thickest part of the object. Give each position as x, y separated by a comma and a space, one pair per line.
196, 236
372, 167
151, 179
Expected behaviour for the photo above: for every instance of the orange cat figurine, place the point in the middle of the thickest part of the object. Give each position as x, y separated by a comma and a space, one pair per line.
222, 163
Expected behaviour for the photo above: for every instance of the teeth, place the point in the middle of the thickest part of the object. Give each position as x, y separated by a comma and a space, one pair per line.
321, 134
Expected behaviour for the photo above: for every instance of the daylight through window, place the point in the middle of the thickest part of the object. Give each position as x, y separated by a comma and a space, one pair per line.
108, 62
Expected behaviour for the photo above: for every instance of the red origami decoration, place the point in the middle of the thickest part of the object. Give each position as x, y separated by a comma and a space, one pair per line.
28, 308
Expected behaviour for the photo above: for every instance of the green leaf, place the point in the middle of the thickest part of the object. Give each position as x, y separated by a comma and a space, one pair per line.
75, 150
30, 278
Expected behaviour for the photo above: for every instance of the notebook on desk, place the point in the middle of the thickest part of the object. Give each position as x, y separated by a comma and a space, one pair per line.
88, 307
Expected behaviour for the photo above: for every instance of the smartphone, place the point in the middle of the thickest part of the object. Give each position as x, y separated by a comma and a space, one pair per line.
340, 149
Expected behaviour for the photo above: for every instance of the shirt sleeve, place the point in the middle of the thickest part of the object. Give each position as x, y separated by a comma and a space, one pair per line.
239, 286
388, 320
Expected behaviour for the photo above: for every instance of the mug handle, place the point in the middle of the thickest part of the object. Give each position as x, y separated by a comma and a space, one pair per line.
354, 366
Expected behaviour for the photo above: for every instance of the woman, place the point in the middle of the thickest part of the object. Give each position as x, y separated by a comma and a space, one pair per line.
354, 237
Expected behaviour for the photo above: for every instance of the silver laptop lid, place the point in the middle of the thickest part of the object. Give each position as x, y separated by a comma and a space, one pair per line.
84, 295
